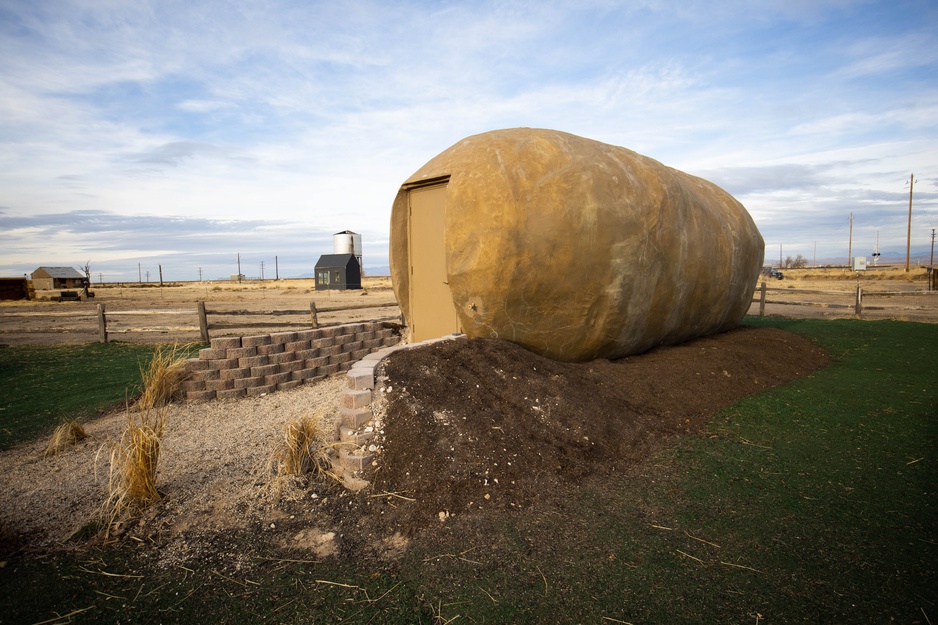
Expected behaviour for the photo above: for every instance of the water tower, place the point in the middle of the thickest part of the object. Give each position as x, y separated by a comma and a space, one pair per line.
348, 242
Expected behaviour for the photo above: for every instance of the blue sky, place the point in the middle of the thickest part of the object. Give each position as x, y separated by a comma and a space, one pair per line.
144, 133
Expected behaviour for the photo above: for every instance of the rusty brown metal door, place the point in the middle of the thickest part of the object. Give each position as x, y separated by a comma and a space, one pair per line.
431, 304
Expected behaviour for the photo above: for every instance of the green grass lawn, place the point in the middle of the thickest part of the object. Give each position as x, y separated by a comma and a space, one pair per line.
41, 385
814, 502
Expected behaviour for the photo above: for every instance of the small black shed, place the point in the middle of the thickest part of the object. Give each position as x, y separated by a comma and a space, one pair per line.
338, 272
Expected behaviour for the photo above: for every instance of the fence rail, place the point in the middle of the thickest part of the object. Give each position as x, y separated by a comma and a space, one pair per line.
207, 320
858, 305
313, 319
103, 319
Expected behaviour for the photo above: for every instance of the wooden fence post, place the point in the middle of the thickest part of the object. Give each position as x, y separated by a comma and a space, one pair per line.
312, 313
203, 322
762, 300
102, 324
858, 306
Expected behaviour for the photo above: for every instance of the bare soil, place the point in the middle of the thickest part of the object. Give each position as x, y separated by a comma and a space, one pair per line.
480, 425
467, 429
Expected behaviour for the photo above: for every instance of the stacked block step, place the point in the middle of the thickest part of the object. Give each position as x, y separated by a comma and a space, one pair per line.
235, 367
356, 429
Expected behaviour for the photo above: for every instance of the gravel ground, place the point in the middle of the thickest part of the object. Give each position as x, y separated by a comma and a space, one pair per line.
213, 473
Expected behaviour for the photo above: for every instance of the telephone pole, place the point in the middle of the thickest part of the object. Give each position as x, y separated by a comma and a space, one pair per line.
850, 245
908, 241
931, 261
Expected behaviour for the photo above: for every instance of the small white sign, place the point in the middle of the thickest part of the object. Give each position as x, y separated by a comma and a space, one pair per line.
859, 263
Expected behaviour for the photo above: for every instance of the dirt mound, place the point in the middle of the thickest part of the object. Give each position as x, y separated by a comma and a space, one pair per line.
468, 428
476, 425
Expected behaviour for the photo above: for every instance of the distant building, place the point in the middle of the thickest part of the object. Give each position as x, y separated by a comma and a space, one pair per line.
338, 272
50, 278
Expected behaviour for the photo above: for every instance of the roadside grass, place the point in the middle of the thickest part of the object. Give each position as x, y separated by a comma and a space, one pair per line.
814, 502
40, 386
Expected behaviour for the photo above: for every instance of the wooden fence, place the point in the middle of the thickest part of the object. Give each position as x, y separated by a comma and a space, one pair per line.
215, 319
311, 321
858, 305
306, 318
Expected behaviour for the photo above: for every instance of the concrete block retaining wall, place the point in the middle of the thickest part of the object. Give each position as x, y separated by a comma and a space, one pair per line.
233, 367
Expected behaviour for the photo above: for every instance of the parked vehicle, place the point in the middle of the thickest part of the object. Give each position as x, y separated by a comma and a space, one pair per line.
773, 273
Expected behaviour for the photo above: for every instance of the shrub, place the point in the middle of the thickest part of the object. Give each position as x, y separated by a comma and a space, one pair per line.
304, 448
133, 464
67, 433
161, 377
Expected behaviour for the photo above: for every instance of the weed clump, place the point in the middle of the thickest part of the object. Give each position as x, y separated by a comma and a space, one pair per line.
304, 448
133, 464
67, 433
161, 377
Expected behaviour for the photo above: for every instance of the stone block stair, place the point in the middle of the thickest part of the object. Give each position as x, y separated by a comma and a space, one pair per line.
357, 425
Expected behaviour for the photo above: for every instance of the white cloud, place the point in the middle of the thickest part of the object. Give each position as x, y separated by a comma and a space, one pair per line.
311, 114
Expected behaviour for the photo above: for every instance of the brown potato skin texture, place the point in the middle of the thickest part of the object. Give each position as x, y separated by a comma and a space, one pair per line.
577, 249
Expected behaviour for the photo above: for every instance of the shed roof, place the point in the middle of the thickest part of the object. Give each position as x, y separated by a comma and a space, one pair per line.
335, 260
62, 272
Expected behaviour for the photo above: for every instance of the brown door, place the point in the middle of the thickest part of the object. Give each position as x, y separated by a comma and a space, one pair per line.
432, 313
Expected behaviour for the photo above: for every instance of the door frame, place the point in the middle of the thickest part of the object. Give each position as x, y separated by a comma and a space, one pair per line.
416, 330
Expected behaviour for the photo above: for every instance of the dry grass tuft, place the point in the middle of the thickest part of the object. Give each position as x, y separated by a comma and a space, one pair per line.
67, 433
304, 449
161, 377
133, 464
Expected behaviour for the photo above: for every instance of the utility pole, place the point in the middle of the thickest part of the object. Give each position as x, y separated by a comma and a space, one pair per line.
239, 267
262, 271
161, 275
931, 261
850, 245
908, 241
200, 274
139, 274
276, 269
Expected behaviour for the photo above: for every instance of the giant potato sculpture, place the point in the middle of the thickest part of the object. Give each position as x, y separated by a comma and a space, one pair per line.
577, 249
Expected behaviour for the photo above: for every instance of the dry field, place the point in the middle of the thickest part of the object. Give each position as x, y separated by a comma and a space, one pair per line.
888, 293
148, 313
